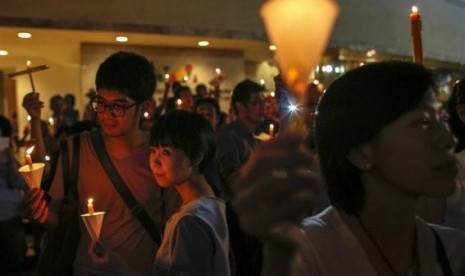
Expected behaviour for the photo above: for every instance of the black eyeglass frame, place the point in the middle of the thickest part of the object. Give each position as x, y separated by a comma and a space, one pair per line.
116, 110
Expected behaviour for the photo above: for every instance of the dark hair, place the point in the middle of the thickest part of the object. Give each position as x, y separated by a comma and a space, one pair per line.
181, 88
456, 125
187, 131
241, 93
5, 126
209, 101
70, 99
353, 110
127, 73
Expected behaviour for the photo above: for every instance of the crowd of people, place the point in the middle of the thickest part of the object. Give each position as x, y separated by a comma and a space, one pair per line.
189, 190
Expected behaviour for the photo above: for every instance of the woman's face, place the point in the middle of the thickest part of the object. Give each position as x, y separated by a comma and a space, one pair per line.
170, 166
415, 152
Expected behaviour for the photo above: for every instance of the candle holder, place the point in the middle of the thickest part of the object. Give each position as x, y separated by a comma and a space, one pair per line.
93, 224
33, 177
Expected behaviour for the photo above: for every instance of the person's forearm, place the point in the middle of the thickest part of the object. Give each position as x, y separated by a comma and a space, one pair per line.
36, 134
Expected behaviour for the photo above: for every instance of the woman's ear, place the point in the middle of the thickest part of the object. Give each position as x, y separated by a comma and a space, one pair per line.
361, 157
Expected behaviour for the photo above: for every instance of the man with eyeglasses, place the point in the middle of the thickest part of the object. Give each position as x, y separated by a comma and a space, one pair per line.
125, 84
234, 145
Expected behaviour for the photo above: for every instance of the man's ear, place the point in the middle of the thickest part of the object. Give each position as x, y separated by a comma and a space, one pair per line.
147, 106
362, 157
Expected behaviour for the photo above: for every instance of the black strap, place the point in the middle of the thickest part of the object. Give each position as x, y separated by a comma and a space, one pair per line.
137, 209
442, 256
70, 179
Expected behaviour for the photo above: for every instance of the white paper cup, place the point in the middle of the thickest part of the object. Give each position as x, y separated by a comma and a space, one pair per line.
93, 223
32, 177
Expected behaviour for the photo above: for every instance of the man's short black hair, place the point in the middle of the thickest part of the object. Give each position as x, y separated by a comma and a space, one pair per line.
127, 73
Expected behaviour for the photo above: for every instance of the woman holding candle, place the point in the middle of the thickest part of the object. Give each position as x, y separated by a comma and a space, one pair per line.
196, 240
381, 146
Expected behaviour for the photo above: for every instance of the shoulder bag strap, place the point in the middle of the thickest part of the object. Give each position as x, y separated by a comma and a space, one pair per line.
137, 209
70, 178
441, 255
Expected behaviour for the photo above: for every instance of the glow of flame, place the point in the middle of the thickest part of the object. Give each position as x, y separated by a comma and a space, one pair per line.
28, 63
90, 201
218, 71
29, 150
414, 9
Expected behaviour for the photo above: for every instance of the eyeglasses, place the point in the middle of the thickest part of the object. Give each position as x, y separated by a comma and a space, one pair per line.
116, 110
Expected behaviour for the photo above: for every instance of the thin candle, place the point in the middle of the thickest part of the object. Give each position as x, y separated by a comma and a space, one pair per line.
28, 157
29, 72
271, 130
90, 206
415, 22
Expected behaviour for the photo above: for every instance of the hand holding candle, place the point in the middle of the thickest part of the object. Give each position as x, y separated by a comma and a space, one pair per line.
415, 22
28, 157
90, 206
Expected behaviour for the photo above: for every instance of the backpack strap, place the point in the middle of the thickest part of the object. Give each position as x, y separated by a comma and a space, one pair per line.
135, 207
70, 178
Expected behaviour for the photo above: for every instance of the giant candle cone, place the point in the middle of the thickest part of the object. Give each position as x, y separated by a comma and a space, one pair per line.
300, 29
32, 177
93, 224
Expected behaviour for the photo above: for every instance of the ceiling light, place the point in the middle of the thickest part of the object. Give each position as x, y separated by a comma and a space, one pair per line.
121, 38
203, 43
273, 47
3, 53
24, 35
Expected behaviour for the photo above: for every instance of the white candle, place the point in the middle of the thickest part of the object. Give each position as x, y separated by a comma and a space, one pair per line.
90, 206
28, 157
271, 130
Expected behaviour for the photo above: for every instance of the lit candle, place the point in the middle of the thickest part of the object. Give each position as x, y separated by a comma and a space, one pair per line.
29, 72
90, 206
415, 22
28, 157
179, 103
271, 130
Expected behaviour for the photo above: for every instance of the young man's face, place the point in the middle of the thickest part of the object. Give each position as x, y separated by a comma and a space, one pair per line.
252, 111
116, 112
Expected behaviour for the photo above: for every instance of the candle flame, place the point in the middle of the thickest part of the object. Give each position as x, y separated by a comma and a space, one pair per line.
90, 201
28, 63
271, 126
179, 102
29, 150
218, 71
414, 9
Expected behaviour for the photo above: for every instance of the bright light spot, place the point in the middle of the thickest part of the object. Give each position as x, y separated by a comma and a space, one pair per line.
203, 43
414, 9
28, 118
179, 102
28, 63
186, 78
47, 158
361, 64
51, 121
218, 70
24, 35
3, 52
273, 47
327, 68
146, 114
30, 150
337, 70
262, 82
121, 38
293, 108
167, 76
371, 53
272, 94
316, 82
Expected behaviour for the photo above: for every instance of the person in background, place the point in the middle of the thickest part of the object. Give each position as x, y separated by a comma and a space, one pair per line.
89, 112
235, 144
184, 99
381, 144
70, 114
196, 240
209, 109
455, 211
12, 232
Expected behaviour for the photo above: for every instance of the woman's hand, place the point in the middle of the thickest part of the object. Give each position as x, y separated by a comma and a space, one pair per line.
276, 188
